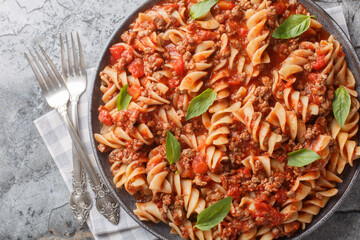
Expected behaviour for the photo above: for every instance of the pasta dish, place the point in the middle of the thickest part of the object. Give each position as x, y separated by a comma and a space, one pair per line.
228, 119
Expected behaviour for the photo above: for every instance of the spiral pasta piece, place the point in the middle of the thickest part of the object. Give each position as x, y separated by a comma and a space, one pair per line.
250, 162
258, 34
260, 130
220, 121
300, 104
136, 176
286, 120
149, 212
202, 52
342, 74
295, 62
192, 199
156, 169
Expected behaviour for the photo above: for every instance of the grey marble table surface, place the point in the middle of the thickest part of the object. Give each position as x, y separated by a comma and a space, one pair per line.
33, 196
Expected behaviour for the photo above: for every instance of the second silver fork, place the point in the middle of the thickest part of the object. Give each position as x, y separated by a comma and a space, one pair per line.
75, 77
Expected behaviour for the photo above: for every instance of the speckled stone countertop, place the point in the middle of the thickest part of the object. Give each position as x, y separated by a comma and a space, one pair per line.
33, 196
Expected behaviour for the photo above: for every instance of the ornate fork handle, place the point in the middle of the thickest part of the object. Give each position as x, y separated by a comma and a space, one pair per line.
105, 201
80, 201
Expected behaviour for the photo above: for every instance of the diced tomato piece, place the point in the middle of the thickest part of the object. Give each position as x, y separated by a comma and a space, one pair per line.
290, 82
234, 191
112, 60
187, 173
265, 214
244, 172
116, 51
226, 5
136, 68
104, 116
234, 81
281, 196
199, 164
203, 35
319, 63
171, 5
179, 66
134, 91
173, 83
280, 8
243, 32
314, 77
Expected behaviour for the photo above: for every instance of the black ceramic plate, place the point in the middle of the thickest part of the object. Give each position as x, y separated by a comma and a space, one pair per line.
127, 202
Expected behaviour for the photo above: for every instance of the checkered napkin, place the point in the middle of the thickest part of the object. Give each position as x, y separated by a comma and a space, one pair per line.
58, 142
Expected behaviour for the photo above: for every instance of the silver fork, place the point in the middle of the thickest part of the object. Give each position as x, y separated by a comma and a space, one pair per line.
57, 96
75, 79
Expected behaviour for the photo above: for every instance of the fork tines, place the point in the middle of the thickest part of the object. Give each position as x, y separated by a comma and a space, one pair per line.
72, 70
48, 79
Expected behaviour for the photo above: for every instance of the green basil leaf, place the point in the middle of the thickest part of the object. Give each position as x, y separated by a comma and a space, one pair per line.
292, 27
173, 148
123, 99
213, 215
341, 105
302, 157
201, 103
201, 8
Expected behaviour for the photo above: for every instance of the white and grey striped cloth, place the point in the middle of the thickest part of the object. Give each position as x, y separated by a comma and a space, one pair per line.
57, 140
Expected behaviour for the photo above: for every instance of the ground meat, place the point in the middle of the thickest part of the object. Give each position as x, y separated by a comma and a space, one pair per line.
188, 61
293, 3
152, 63
244, 5
126, 120
160, 23
301, 9
238, 212
266, 81
102, 148
214, 195
162, 200
128, 36
220, 18
354, 106
260, 99
185, 161
231, 229
237, 11
313, 131
125, 155
241, 144
179, 201
272, 18
201, 180
159, 131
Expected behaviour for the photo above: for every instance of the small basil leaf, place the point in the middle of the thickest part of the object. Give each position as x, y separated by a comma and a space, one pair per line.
201, 103
201, 8
302, 157
292, 27
341, 105
123, 99
172, 148
213, 215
